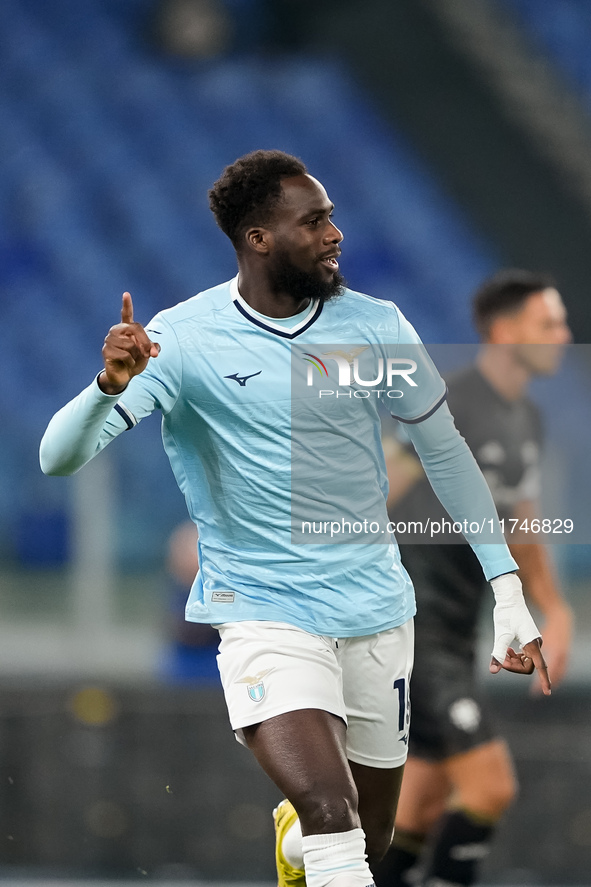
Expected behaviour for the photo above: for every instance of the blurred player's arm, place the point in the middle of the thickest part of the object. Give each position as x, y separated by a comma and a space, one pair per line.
541, 586
403, 467
462, 490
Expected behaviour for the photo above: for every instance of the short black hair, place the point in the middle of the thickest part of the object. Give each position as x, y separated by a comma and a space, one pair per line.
249, 189
505, 293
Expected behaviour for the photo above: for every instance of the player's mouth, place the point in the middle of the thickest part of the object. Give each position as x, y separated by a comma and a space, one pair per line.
330, 261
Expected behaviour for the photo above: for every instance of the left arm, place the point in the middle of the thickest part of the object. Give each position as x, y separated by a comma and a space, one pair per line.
403, 468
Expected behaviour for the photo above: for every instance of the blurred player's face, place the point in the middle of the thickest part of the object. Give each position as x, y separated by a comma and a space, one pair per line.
541, 322
303, 260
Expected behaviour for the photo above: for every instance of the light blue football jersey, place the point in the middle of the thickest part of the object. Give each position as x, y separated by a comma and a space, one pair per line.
223, 381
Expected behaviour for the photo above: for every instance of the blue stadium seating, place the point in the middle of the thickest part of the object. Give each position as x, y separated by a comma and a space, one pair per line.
107, 149
562, 30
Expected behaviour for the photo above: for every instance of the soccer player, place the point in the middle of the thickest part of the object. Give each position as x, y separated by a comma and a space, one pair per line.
459, 777
316, 639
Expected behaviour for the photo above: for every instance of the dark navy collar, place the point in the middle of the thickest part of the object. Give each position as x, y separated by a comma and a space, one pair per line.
267, 323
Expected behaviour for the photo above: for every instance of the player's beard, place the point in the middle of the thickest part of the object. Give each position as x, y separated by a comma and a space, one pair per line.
285, 277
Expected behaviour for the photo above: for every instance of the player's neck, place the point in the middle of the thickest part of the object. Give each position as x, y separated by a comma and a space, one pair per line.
501, 369
260, 297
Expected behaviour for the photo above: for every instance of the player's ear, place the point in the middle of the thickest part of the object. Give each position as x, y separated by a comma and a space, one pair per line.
259, 240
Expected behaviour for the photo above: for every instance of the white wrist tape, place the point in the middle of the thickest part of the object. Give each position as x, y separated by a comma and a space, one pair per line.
511, 617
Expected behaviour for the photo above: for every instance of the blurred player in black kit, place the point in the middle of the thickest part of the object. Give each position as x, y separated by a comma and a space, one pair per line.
459, 776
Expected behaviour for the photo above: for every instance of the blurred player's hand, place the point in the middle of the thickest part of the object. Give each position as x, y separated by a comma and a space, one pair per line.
557, 633
512, 619
126, 351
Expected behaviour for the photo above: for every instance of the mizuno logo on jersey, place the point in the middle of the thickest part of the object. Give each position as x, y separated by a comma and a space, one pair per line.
242, 380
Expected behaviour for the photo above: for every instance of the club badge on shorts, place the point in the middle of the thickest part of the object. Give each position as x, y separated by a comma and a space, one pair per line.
255, 686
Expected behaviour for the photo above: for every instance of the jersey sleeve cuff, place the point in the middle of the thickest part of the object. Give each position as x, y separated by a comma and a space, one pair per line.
102, 396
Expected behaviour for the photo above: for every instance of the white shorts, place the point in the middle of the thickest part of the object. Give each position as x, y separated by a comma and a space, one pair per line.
269, 668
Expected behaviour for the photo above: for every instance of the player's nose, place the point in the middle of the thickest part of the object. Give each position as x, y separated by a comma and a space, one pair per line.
333, 234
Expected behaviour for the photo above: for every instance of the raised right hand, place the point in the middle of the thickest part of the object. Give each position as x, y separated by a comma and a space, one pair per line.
126, 351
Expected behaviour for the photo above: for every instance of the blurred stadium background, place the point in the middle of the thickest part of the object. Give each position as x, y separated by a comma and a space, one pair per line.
454, 137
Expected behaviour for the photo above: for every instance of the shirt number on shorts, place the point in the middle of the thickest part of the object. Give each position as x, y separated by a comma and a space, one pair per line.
403, 702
